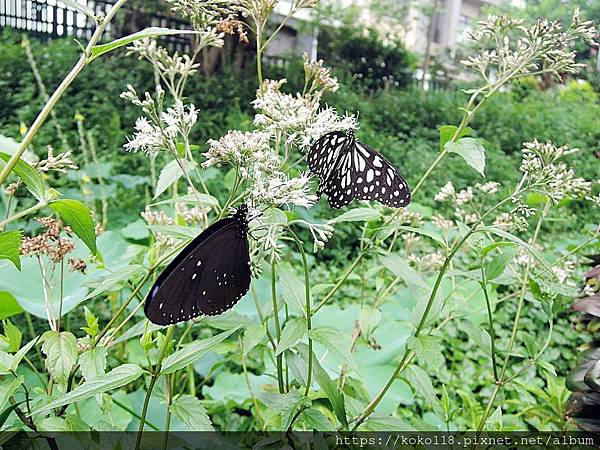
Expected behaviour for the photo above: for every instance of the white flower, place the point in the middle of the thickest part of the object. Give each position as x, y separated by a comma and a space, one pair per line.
279, 189
249, 150
445, 193
442, 223
147, 138
178, 119
491, 187
464, 196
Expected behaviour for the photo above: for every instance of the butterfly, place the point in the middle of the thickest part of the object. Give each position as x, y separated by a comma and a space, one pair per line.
348, 170
208, 277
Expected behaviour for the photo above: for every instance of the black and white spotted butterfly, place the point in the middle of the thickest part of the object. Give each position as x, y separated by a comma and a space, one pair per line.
208, 277
349, 169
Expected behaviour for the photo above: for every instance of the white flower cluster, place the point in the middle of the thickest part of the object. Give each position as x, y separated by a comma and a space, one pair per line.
160, 130
491, 187
249, 150
545, 174
205, 13
518, 50
280, 189
170, 66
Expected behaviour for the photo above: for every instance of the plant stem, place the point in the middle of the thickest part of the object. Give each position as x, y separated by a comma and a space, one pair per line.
308, 309
408, 353
339, 282
513, 337
23, 213
277, 326
483, 284
60, 90
153, 380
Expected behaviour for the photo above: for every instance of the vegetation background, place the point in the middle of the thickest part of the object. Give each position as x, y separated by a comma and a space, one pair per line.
230, 387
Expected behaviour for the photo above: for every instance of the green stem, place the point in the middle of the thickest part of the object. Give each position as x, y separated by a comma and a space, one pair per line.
483, 284
513, 337
153, 380
308, 309
60, 90
408, 353
23, 213
277, 326
339, 282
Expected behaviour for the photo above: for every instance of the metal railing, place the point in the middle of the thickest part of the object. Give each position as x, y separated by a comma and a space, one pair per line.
52, 19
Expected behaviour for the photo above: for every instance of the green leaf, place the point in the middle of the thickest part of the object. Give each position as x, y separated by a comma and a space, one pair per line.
316, 420
471, 151
399, 267
9, 363
8, 388
60, 349
335, 341
205, 200
11, 338
421, 383
428, 350
447, 132
292, 332
494, 422
192, 352
8, 411
93, 363
31, 177
77, 215
119, 376
150, 32
331, 391
170, 174
357, 215
113, 280
511, 237
8, 305
92, 322
52, 424
547, 366
10, 246
292, 290
253, 335
84, 9
430, 234
189, 410
496, 266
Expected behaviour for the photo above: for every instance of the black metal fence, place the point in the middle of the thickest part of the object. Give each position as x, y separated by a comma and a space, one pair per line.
51, 19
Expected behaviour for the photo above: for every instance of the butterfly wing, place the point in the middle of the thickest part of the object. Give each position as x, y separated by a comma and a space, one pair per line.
324, 154
374, 178
208, 277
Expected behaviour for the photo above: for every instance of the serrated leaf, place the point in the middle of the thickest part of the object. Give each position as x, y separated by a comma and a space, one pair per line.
78, 216
119, 376
170, 174
333, 394
113, 280
11, 338
190, 353
401, 269
293, 290
447, 132
335, 341
511, 237
437, 238
357, 215
31, 177
292, 332
60, 349
498, 264
189, 410
8, 388
471, 151
10, 246
428, 350
421, 383
316, 420
253, 335
150, 32
93, 362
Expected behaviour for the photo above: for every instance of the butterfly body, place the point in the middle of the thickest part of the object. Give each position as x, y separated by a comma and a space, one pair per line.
208, 277
349, 169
